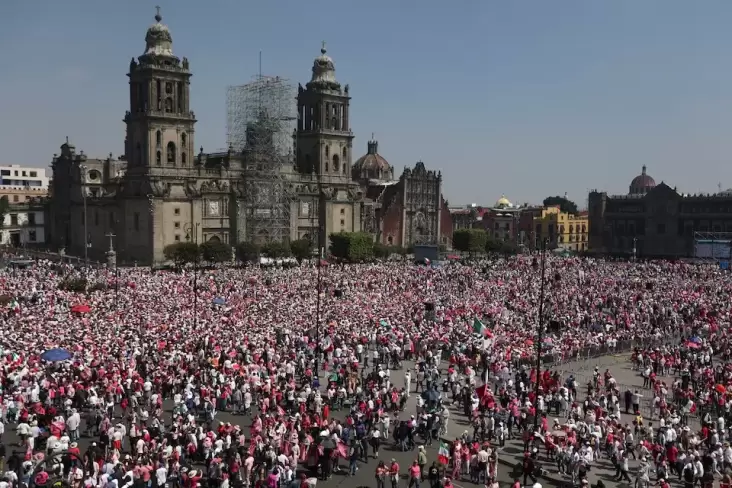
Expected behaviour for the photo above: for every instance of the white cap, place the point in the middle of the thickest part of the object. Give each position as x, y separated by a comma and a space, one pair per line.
536, 485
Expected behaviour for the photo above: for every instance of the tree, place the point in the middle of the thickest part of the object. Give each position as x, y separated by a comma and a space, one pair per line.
4, 205
277, 250
182, 252
216, 251
382, 250
302, 249
352, 246
247, 252
470, 240
492, 245
565, 205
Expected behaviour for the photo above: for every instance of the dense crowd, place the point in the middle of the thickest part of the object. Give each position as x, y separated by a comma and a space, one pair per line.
154, 363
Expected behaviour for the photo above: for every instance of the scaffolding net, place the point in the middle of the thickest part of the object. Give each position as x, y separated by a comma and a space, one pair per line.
713, 246
260, 121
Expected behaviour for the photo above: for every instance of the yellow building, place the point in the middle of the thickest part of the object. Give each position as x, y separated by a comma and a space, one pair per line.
561, 229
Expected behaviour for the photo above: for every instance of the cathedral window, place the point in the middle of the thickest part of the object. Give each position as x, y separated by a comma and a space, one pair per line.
336, 163
326, 166
327, 151
169, 88
183, 139
345, 154
158, 158
171, 152
168, 105
183, 159
158, 138
336, 125
158, 94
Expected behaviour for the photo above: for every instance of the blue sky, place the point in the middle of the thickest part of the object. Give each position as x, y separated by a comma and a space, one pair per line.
526, 98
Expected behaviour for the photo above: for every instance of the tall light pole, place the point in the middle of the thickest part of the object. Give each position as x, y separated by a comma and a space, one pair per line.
635, 241
112, 255
82, 179
540, 334
193, 228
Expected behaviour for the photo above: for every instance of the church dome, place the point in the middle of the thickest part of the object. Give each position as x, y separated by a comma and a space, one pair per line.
158, 41
372, 166
642, 183
503, 202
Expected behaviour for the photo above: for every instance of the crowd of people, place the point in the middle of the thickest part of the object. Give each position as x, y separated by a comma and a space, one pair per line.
311, 383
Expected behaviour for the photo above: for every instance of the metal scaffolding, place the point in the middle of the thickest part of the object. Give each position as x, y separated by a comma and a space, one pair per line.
260, 123
713, 246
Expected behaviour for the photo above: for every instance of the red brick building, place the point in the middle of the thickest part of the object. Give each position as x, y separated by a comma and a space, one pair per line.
405, 211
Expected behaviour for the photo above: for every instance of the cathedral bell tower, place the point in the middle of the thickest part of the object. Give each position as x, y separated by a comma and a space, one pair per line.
160, 123
324, 138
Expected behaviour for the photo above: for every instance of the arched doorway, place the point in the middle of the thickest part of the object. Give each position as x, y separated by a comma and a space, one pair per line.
214, 239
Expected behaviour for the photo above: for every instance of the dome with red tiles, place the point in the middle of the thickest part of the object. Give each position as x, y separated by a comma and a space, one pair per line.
642, 183
372, 166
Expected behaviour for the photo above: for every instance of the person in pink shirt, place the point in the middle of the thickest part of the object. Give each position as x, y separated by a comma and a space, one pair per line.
415, 475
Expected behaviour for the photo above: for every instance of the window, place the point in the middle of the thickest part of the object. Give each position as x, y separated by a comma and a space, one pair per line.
15, 173
168, 88
343, 223
183, 158
171, 152
168, 105
136, 220
183, 139
327, 151
15, 198
33, 174
158, 138
32, 218
5, 172
336, 163
13, 219
177, 238
176, 225
176, 211
343, 211
31, 236
158, 158
661, 229
24, 174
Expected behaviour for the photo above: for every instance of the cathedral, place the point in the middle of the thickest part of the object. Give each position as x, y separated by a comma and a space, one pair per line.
163, 191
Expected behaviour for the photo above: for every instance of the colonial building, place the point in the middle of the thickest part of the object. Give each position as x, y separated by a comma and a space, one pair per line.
24, 224
161, 192
502, 221
22, 183
655, 220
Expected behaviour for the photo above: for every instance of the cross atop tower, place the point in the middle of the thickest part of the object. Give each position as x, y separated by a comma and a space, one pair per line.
158, 17
322, 47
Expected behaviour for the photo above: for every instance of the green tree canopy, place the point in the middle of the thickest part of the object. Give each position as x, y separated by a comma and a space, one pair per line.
470, 240
247, 252
182, 252
565, 205
4, 205
216, 251
277, 250
352, 246
302, 249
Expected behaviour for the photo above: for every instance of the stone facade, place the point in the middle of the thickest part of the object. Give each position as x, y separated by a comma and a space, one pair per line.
655, 220
159, 193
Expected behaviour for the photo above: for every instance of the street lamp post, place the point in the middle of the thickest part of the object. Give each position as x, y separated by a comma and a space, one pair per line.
188, 229
635, 251
112, 255
540, 334
82, 175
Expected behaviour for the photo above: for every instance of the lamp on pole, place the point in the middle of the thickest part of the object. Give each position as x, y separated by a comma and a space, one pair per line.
540, 334
193, 228
82, 180
112, 255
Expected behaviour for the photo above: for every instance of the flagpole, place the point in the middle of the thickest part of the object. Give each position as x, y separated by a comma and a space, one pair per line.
540, 336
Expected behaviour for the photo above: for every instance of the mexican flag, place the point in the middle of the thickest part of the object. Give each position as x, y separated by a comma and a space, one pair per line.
443, 454
479, 327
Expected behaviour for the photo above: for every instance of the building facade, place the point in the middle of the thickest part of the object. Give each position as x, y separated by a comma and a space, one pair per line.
24, 224
502, 221
161, 192
22, 183
562, 230
655, 220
